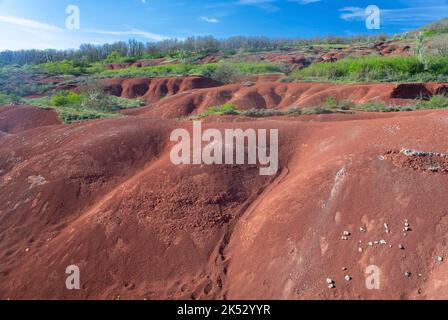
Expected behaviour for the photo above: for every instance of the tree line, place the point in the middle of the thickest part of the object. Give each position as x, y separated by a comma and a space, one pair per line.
133, 48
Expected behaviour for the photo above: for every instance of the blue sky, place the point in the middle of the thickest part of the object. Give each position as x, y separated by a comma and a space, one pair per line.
41, 23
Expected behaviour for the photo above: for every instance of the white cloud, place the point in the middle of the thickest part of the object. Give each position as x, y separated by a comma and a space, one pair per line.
209, 20
263, 4
306, 1
29, 23
20, 33
412, 15
353, 13
133, 32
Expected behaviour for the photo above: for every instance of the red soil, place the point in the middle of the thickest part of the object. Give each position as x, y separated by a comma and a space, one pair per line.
271, 94
154, 89
20, 118
103, 195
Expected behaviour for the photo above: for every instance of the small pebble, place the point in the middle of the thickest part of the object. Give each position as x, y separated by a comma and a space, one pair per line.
27, 249
331, 286
407, 274
371, 244
359, 249
401, 247
330, 281
383, 242
346, 233
344, 269
344, 238
348, 278
362, 229
440, 259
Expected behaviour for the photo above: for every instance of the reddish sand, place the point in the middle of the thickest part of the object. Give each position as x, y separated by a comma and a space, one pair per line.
103, 195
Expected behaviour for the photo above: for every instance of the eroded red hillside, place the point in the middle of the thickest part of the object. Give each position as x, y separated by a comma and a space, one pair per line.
104, 195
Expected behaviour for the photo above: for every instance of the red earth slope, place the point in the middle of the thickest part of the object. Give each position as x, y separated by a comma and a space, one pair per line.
103, 195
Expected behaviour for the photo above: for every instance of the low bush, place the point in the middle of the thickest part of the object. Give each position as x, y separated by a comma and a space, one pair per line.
259, 113
65, 67
377, 68
90, 104
7, 98
226, 73
225, 109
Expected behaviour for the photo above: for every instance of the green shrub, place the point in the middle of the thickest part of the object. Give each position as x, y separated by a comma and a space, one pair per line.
294, 111
66, 99
70, 115
316, 110
377, 68
259, 113
226, 73
436, 102
207, 70
65, 67
225, 109
92, 103
8, 98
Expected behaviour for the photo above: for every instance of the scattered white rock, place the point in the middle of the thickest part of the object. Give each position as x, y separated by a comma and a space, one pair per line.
344, 268
346, 233
348, 278
36, 181
330, 281
359, 249
383, 242
344, 238
401, 247
370, 244
362, 229
331, 286
27, 249
440, 259
407, 274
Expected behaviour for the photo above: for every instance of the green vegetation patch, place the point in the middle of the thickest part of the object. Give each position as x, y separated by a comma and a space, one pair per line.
377, 68
91, 104
208, 69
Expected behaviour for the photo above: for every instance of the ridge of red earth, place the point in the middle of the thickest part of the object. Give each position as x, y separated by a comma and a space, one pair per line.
179, 97
103, 195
